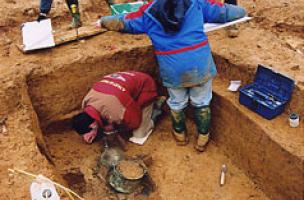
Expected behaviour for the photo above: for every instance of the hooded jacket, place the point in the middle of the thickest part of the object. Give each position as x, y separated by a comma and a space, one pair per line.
176, 30
120, 98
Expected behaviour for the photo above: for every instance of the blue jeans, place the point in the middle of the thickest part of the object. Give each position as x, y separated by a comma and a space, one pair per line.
45, 5
199, 95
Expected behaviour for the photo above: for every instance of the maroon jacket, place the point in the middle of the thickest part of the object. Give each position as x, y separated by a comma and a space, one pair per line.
120, 97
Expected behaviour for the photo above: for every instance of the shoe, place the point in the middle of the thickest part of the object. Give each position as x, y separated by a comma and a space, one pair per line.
201, 142
181, 139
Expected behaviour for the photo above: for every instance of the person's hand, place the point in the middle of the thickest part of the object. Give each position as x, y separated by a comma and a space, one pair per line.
110, 129
112, 23
98, 24
41, 16
90, 136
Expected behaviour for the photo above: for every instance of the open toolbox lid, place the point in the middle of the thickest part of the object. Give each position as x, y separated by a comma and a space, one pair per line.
275, 83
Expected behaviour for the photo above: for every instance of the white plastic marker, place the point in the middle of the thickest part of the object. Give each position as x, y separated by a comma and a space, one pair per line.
68, 191
294, 120
223, 175
42, 189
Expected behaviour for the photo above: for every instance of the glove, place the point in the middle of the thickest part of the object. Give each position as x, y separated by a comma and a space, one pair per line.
234, 12
41, 16
112, 23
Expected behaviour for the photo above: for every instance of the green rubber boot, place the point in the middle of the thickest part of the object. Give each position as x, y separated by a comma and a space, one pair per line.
179, 127
202, 118
76, 22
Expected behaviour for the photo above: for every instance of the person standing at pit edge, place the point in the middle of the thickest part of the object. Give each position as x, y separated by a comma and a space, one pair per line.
73, 5
120, 102
175, 28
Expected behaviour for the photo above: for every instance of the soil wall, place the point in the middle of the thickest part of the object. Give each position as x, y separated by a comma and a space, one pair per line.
60, 92
22, 145
247, 141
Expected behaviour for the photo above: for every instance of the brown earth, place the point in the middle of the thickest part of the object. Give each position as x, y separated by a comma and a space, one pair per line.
39, 91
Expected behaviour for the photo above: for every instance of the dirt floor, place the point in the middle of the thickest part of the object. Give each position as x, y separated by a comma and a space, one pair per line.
179, 172
41, 90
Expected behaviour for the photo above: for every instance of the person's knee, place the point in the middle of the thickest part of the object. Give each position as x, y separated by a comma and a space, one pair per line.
178, 99
201, 95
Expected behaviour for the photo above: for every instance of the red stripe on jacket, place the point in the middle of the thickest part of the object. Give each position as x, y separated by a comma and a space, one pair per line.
182, 49
215, 2
138, 13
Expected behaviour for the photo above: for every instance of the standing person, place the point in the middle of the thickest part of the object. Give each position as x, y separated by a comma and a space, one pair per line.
123, 99
73, 5
175, 28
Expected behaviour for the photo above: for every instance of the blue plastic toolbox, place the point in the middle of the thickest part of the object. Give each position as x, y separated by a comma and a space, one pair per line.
268, 94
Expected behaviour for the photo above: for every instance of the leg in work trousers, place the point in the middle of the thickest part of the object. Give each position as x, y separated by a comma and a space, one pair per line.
199, 95
45, 5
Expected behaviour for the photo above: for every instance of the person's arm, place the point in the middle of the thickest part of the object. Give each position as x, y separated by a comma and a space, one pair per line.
131, 22
148, 92
132, 116
215, 12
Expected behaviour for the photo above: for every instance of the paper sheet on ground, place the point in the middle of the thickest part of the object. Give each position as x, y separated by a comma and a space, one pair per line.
142, 140
234, 85
37, 35
215, 26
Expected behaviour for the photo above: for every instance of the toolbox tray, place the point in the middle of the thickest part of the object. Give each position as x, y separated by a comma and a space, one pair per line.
268, 94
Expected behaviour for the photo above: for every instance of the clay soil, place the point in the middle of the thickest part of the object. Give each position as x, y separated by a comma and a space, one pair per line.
179, 172
40, 91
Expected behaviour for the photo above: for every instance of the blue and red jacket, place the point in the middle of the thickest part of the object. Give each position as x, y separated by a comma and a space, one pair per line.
184, 56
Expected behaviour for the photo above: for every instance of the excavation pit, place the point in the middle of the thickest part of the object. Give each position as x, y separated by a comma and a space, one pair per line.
179, 172
41, 91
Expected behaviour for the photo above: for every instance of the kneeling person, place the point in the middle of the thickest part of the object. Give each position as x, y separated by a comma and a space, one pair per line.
122, 99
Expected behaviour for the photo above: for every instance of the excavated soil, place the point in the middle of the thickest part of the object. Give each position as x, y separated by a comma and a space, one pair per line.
40, 91
179, 172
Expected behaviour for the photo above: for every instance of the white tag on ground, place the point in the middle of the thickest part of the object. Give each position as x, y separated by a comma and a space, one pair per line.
42, 189
234, 85
142, 140
37, 35
215, 26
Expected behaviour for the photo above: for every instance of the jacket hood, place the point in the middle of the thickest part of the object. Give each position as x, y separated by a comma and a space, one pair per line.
170, 13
